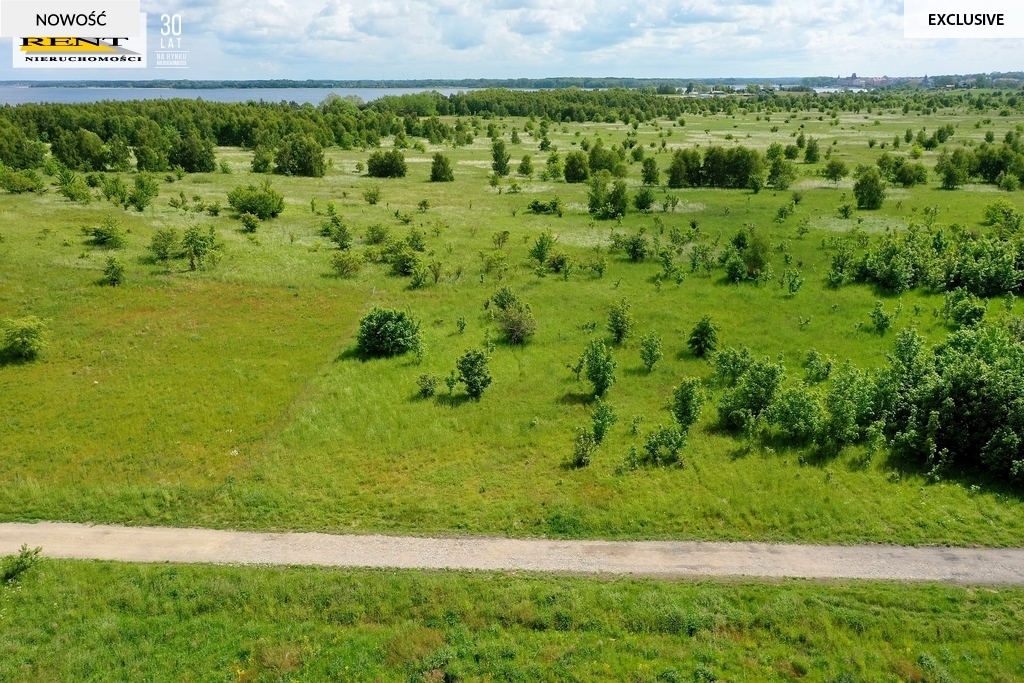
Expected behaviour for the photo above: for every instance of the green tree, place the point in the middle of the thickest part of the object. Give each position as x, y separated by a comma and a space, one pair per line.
193, 153
80, 150
500, 157
650, 350
599, 366
869, 189
262, 159
620, 321
703, 338
441, 169
649, 171
473, 372
835, 170
300, 155
577, 167
197, 245
260, 200
812, 152
603, 419
685, 169
164, 244
144, 190
781, 173
525, 167
686, 403
113, 272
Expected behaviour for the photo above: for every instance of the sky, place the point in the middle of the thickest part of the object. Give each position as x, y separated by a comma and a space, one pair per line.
410, 39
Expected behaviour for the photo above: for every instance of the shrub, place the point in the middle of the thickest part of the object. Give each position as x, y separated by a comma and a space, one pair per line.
473, 372
113, 272
620, 322
644, 199
550, 207
730, 365
262, 158
518, 323
583, 449
107, 234
24, 338
599, 366
262, 201
387, 332
337, 232
250, 222
797, 414
386, 164
661, 448
753, 394
427, 385
703, 338
346, 264
197, 245
636, 246
164, 244
963, 309
650, 350
300, 154
371, 195
441, 169
377, 234
603, 419
144, 190
14, 567
542, 247
19, 182
686, 403
72, 187
880, 319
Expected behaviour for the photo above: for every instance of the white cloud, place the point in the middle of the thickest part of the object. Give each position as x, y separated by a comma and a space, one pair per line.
506, 38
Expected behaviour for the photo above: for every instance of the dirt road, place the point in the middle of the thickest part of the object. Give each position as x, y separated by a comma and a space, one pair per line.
665, 559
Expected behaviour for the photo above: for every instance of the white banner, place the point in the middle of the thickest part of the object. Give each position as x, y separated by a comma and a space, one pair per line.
82, 52
61, 18
962, 19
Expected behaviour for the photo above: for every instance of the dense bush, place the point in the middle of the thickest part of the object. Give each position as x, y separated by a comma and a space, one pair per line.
300, 155
386, 164
686, 403
198, 245
797, 415
473, 372
620, 321
598, 366
346, 264
164, 245
386, 332
753, 394
23, 338
108, 234
262, 201
441, 169
577, 167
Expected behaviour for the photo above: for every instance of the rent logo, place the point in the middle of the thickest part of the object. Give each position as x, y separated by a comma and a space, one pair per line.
118, 52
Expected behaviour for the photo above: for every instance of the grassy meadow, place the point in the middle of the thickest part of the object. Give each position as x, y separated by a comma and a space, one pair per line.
231, 396
91, 621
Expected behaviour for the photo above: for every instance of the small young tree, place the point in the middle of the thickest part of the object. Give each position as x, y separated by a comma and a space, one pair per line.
649, 172
386, 332
620, 322
196, 244
300, 154
603, 419
473, 372
441, 169
250, 222
812, 152
113, 272
518, 323
686, 403
835, 170
144, 191
164, 244
542, 247
703, 338
500, 157
525, 167
650, 350
262, 159
346, 264
644, 199
23, 338
599, 366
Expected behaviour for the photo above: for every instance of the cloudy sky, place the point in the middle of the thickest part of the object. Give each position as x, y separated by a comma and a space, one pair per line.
254, 39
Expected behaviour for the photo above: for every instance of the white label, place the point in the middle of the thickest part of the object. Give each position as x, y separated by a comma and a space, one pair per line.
61, 18
47, 52
942, 19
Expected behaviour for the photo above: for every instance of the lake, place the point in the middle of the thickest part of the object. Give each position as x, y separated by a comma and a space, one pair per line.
22, 95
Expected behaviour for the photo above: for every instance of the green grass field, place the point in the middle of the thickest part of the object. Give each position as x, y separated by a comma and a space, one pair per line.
230, 397
91, 621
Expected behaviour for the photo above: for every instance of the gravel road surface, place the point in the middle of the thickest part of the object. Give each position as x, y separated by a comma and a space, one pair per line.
663, 559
